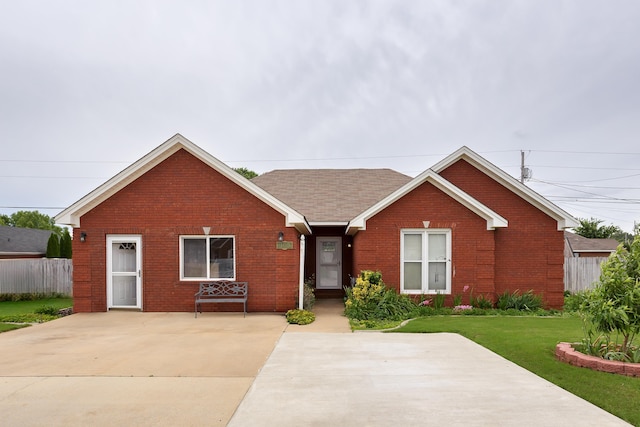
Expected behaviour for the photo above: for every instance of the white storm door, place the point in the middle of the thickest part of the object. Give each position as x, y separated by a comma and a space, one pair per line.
124, 271
329, 263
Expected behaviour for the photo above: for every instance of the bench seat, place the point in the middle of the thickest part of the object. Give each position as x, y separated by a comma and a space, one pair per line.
221, 291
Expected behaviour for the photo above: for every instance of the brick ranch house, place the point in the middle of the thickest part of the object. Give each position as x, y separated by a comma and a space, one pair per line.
178, 216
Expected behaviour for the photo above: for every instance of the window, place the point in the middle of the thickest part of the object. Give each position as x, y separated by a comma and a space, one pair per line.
210, 257
425, 256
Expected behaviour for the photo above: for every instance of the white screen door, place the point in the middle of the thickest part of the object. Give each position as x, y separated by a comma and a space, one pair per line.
124, 270
329, 263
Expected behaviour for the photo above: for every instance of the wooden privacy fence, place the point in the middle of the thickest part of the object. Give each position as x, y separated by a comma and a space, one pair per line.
580, 273
43, 276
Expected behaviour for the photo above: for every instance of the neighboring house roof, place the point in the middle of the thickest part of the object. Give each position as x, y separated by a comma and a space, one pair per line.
493, 219
73, 213
564, 219
331, 196
579, 244
23, 241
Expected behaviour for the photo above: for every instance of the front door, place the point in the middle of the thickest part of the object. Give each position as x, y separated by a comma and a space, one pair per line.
329, 263
124, 271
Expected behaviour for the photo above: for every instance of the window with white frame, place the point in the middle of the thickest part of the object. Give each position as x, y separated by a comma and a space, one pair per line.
207, 257
425, 257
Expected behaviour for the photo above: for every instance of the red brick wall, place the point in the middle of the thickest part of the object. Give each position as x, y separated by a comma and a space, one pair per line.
179, 197
472, 253
530, 252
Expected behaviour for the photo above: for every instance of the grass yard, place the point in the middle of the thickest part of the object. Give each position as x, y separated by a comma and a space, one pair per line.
530, 342
25, 311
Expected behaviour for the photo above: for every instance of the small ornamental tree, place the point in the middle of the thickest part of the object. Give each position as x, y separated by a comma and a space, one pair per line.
53, 246
613, 306
65, 245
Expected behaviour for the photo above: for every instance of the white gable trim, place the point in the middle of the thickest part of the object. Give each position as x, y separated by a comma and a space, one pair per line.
493, 219
564, 219
71, 215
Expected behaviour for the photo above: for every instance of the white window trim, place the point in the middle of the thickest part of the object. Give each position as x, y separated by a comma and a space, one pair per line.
207, 237
425, 261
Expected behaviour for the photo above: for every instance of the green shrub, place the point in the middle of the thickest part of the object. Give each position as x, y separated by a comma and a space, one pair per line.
300, 317
65, 245
438, 301
573, 302
47, 309
481, 302
612, 309
527, 301
370, 299
30, 296
53, 246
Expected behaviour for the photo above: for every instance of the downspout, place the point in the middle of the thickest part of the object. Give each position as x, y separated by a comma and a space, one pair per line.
301, 284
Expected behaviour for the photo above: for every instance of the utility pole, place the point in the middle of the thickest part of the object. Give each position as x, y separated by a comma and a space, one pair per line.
525, 173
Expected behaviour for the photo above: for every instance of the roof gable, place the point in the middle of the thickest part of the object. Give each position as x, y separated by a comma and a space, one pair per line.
564, 219
73, 213
493, 219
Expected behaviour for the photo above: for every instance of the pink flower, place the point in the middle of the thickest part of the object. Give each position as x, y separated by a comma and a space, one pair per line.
426, 302
466, 288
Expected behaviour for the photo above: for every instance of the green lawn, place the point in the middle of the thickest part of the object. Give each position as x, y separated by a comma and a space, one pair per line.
25, 311
530, 342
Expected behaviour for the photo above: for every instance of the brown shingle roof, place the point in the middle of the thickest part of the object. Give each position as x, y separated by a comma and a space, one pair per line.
578, 243
331, 195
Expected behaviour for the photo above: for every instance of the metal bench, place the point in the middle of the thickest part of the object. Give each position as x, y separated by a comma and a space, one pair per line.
221, 291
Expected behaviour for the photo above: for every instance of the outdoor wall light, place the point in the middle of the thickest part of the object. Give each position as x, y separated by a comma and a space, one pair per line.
280, 236
83, 236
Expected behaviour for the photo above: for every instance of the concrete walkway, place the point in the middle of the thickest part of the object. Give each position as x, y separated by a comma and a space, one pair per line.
167, 369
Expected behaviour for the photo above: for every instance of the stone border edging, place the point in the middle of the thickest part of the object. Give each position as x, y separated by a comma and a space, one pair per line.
567, 354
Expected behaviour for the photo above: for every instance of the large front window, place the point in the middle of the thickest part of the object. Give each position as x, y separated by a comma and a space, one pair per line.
426, 261
207, 257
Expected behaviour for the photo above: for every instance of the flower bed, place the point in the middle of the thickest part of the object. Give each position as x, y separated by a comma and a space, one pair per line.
566, 353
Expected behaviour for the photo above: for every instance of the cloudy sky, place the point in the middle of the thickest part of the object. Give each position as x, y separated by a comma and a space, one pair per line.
87, 88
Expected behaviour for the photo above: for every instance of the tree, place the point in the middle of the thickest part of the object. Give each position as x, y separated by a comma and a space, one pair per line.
4, 220
31, 219
65, 245
53, 246
592, 229
247, 173
613, 306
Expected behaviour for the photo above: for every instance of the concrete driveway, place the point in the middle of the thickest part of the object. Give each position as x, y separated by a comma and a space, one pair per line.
131, 368
166, 369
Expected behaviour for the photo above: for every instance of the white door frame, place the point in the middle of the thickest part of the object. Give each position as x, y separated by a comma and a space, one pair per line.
337, 265
137, 271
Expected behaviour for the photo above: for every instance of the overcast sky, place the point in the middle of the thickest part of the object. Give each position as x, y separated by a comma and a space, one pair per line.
89, 87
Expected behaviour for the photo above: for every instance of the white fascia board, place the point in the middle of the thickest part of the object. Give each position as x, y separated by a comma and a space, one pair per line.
71, 215
493, 219
563, 218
